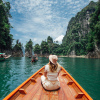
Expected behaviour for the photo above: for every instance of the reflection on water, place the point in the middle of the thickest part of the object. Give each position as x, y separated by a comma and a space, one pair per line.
16, 70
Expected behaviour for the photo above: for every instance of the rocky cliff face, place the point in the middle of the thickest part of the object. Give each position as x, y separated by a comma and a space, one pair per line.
28, 53
14, 53
77, 31
17, 54
17, 50
95, 53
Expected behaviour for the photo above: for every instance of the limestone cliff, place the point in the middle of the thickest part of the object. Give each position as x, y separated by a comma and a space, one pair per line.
28, 48
17, 50
76, 37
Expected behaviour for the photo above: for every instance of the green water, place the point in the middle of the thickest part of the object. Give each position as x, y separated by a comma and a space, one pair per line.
14, 71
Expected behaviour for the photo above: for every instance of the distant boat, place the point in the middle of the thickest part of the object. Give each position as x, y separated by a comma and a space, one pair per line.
32, 89
3, 56
34, 58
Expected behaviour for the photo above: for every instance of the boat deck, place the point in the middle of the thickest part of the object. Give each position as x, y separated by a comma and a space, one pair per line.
33, 89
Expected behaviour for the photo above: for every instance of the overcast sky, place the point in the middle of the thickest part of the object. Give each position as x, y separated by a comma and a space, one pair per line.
38, 19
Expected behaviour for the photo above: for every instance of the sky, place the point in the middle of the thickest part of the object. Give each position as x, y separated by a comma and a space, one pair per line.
38, 19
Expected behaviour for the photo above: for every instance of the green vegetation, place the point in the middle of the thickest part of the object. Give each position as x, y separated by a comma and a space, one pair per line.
48, 47
37, 49
94, 38
29, 45
5, 36
80, 37
44, 47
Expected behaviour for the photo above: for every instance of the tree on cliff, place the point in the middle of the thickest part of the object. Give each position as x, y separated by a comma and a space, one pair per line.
50, 43
37, 49
17, 49
76, 38
5, 36
94, 38
49, 40
29, 47
18, 46
44, 47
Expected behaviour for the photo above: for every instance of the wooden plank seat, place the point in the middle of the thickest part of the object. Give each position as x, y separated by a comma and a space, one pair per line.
64, 74
33, 80
69, 81
40, 73
22, 91
78, 94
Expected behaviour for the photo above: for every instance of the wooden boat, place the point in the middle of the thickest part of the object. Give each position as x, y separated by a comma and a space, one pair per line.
3, 56
7, 56
34, 60
32, 89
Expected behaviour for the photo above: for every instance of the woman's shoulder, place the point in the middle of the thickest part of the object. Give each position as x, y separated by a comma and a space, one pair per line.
59, 66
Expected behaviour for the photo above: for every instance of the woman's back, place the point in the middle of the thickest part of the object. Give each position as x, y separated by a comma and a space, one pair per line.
52, 76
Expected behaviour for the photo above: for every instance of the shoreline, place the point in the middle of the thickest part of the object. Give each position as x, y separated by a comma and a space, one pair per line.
71, 56
74, 56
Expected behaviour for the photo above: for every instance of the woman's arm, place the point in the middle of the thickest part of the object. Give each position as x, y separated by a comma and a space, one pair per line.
59, 71
45, 74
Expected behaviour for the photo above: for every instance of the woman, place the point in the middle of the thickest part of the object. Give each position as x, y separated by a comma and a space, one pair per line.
50, 78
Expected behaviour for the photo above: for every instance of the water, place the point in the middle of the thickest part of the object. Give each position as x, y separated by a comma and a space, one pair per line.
16, 70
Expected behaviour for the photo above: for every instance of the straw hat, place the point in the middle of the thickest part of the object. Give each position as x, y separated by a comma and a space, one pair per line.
53, 59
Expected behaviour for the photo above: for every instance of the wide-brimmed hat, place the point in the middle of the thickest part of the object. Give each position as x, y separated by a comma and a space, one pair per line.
53, 59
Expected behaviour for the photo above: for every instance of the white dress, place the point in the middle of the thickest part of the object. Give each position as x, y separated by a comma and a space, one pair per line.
52, 81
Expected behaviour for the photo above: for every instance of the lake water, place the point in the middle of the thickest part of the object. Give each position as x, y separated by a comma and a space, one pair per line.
15, 70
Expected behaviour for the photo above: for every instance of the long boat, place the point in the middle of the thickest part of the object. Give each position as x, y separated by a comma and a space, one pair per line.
3, 56
32, 89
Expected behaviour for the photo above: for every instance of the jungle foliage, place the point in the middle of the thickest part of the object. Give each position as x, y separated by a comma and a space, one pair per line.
37, 49
29, 45
94, 34
18, 46
80, 36
48, 47
5, 37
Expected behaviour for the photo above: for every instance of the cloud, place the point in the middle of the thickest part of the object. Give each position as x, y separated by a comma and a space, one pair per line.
93, 0
77, 2
59, 39
16, 34
68, 0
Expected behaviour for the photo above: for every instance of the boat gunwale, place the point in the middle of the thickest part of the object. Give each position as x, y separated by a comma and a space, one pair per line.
79, 86
15, 90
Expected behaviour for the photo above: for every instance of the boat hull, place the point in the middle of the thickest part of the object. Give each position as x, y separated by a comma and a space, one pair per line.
32, 89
